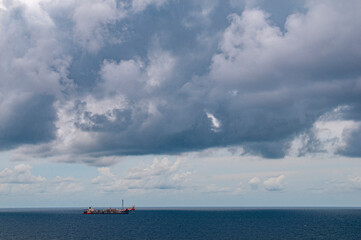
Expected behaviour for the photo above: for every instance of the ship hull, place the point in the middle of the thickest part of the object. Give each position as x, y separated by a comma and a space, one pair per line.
86, 213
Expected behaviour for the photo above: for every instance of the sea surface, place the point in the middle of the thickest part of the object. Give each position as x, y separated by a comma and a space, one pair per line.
193, 223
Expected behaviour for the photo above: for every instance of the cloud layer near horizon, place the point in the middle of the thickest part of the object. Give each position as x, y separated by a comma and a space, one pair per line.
90, 81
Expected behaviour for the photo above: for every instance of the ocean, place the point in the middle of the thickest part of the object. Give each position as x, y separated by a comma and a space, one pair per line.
192, 223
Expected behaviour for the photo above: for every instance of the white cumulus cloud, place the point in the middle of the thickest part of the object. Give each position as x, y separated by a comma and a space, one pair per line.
163, 174
20, 174
274, 183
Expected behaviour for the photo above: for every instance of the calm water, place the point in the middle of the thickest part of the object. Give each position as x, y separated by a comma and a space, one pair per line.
183, 224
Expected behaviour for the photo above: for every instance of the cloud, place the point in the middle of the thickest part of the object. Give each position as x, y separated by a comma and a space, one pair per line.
91, 81
20, 180
263, 66
270, 184
35, 63
160, 175
331, 133
201, 13
213, 188
274, 183
140, 5
92, 20
355, 182
161, 68
30, 120
134, 77
20, 174
352, 138
33, 75
254, 182
67, 184
2, 7
216, 124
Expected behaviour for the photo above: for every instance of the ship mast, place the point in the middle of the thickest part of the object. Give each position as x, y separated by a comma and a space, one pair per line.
122, 204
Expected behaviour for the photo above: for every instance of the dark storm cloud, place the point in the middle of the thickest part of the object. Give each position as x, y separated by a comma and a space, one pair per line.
353, 139
154, 77
31, 121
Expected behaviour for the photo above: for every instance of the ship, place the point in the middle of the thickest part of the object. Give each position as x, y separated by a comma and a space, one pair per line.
123, 210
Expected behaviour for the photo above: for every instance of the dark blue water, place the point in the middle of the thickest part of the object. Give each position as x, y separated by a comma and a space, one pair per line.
183, 224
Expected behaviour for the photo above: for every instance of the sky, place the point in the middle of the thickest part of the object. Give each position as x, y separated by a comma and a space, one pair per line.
180, 103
